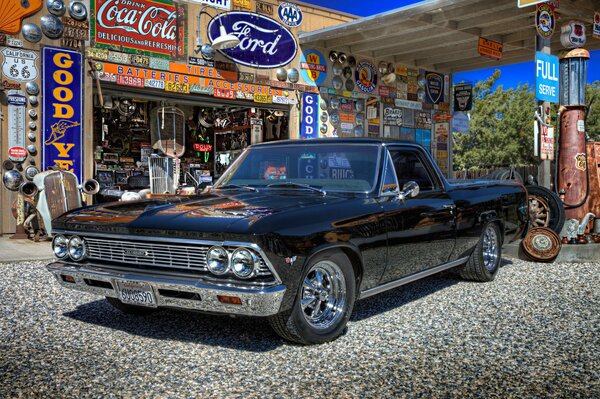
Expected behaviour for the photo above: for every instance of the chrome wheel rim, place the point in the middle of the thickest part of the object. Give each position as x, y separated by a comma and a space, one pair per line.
323, 299
491, 248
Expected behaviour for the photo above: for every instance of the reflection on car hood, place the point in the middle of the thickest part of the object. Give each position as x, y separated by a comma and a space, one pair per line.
214, 212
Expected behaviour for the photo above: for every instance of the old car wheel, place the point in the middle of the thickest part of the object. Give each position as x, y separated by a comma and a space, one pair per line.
545, 208
484, 262
324, 302
130, 309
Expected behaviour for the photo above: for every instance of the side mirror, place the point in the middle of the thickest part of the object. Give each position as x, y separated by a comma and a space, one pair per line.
409, 189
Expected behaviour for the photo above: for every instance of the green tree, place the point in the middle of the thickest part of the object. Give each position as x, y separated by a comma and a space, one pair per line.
501, 127
592, 92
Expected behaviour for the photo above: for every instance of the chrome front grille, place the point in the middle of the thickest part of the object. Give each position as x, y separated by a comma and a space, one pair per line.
150, 254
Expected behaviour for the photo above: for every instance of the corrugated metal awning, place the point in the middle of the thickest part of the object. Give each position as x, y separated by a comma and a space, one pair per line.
442, 35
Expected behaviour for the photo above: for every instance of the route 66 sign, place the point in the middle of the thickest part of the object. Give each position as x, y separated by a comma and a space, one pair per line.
19, 65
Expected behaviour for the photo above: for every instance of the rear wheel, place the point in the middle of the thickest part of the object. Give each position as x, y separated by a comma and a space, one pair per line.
323, 304
130, 309
484, 262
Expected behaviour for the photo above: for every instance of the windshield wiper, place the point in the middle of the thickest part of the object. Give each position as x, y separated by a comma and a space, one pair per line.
290, 184
237, 186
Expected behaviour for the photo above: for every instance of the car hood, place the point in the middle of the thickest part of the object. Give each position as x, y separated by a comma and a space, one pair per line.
216, 212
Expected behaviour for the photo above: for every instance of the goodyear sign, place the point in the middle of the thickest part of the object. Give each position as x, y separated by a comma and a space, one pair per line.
62, 110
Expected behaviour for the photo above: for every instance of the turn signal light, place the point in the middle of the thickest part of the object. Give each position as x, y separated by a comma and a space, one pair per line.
232, 300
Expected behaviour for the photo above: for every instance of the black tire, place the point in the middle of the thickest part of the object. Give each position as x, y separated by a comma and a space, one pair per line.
130, 309
481, 266
545, 201
294, 325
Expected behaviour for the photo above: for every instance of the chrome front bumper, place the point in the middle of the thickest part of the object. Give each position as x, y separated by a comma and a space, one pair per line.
103, 281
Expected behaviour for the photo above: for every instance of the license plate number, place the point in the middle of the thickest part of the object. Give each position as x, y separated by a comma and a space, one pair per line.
136, 293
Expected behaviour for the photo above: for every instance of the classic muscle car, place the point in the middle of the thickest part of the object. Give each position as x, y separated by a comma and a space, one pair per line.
295, 231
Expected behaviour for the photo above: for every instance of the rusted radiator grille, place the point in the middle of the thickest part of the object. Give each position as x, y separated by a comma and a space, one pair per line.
55, 195
151, 254
62, 193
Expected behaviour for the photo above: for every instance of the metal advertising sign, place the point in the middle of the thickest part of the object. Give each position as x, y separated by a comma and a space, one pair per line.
392, 116
17, 102
547, 143
596, 25
313, 67
545, 20
310, 118
242, 4
463, 97
366, 76
265, 43
546, 77
573, 34
19, 65
17, 154
154, 27
290, 14
220, 4
489, 48
62, 109
264, 8
434, 87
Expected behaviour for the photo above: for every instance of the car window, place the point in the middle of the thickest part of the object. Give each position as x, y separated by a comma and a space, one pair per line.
409, 166
337, 167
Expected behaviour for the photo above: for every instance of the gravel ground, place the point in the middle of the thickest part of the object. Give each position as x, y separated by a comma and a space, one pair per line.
533, 332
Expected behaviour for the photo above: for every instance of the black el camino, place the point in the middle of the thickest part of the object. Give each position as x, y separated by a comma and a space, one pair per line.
295, 231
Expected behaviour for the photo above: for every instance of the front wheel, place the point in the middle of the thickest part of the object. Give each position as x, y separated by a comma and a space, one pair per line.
484, 262
323, 304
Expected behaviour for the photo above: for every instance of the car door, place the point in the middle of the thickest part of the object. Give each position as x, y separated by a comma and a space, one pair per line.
421, 230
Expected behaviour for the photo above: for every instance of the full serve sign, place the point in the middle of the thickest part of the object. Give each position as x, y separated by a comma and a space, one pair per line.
546, 77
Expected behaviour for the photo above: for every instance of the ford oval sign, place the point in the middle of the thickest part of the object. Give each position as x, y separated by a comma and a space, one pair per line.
264, 43
290, 14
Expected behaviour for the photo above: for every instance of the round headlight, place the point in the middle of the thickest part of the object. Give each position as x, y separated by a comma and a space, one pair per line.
217, 260
76, 248
243, 262
59, 246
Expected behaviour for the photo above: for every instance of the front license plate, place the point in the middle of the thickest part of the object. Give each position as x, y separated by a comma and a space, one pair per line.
136, 293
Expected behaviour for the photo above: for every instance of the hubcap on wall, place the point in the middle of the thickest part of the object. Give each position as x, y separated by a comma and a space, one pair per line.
491, 248
323, 299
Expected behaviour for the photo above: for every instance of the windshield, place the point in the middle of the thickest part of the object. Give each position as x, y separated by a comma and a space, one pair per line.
329, 167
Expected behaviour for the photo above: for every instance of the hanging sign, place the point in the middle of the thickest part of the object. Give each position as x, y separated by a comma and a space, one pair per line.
62, 109
463, 97
220, 4
461, 123
545, 20
366, 76
290, 14
572, 35
19, 65
547, 143
310, 117
17, 103
596, 25
434, 87
489, 48
264, 42
156, 28
313, 67
546, 77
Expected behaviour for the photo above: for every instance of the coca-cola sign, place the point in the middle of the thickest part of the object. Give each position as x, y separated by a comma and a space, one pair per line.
156, 28
264, 42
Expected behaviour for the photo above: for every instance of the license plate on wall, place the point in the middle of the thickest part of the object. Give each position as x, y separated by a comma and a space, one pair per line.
136, 293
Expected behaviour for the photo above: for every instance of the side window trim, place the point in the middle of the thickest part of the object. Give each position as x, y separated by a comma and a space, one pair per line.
387, 167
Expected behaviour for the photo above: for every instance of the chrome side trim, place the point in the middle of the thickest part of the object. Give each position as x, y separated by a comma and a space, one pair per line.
177, 240
255, 302
411, 278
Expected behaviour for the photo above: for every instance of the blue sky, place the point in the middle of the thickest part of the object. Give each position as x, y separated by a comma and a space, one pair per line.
512, 75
